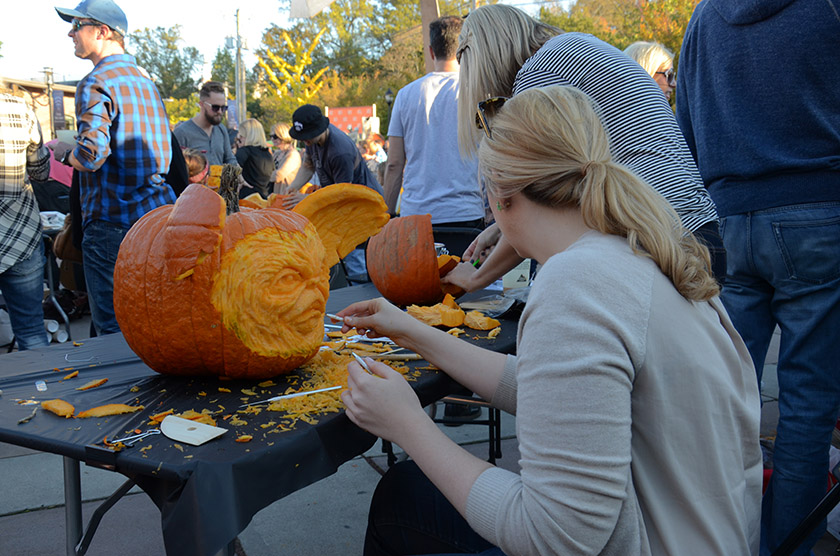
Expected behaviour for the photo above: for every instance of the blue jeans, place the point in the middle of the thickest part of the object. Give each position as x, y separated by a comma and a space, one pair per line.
783, 267
100, 246
409, 515
22, 285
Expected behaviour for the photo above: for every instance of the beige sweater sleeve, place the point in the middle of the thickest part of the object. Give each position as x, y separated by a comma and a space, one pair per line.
584, 324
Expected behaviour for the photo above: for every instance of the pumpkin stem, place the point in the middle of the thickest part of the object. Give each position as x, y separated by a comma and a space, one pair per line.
229, 187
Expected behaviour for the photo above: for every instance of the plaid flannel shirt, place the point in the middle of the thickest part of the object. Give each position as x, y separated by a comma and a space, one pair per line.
22, 152
123, 139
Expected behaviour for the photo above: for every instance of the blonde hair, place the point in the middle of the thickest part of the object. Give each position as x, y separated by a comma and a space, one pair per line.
549, 144
281, 130
650, 55
252, 133
495, 42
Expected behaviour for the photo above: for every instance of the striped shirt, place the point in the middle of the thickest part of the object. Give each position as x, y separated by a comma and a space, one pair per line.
124, 141
643, 132
22, 152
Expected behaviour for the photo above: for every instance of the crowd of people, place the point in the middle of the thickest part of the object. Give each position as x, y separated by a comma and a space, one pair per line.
680, 239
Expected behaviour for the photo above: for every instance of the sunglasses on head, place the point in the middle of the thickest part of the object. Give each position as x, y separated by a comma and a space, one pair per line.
216, 107
487, 109
78, 24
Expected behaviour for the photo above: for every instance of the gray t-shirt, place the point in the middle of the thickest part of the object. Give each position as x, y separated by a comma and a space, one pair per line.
216, 146
436, 180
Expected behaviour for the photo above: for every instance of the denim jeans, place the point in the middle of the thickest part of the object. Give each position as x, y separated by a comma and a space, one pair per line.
409, 515
783, 267
100, 246
22, 285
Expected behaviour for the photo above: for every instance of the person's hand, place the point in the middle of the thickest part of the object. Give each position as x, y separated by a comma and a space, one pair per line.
292, 199
382, 403
243, 183
461, 276
482, 245
59, 149
377, 317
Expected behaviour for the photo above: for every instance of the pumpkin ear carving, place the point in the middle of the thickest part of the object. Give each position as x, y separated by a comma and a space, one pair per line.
193, 230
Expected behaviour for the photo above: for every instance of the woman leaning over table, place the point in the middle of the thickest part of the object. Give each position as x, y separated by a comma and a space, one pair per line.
637, 410
503, 51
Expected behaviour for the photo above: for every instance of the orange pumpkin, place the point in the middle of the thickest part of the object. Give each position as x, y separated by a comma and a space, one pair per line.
198, 291
402, 263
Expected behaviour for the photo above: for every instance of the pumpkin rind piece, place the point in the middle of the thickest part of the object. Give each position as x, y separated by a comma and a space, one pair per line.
478, 321
402, 264
345, 215
59, 407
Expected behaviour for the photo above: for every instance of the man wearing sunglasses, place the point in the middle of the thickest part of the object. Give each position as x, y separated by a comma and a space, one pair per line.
205, 131
123, 150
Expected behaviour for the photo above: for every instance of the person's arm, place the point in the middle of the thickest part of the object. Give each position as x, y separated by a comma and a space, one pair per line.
303, 174
229, 157
502, 258
94, 128
37, 154
394, 172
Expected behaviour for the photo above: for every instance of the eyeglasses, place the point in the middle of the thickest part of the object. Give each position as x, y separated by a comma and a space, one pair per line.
669, 75
275, 137
487, 109
216, 107
78, 24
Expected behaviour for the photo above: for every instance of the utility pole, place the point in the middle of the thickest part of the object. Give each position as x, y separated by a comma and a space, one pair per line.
240, 75
48, 77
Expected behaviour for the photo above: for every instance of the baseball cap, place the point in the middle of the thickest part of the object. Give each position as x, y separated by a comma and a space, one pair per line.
308, 122
103, 11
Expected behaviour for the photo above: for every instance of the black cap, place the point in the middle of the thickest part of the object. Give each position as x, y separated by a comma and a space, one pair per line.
308, 122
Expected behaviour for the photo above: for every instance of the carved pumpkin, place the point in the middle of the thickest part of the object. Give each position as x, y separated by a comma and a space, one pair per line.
402, 263
204, 289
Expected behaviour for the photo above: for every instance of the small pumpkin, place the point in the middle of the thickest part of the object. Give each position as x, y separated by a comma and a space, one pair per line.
201, 287
402, 263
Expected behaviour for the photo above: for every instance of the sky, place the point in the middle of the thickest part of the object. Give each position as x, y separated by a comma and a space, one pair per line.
28, 48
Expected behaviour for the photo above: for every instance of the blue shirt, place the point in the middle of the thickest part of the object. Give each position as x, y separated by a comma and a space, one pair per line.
338, 160
123, 139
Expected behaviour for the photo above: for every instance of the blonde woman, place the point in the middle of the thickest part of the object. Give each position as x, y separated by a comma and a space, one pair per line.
504, 51
286, 158
254, 157
658, 61
636, 404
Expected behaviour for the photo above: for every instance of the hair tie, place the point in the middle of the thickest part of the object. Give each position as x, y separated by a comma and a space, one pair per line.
585, 169
198, 178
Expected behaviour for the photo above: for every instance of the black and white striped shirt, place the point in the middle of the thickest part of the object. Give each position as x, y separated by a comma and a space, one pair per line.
641, 126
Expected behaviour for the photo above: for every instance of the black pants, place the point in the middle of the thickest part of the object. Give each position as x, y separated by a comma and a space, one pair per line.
409, 515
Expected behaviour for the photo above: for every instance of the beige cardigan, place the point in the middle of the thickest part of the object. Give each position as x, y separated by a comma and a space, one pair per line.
637, 414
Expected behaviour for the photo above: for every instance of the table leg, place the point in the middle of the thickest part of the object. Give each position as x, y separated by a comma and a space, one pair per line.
50, 261
72, 504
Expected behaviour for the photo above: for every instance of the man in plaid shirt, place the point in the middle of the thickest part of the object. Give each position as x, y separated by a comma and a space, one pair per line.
123, 147
22, 152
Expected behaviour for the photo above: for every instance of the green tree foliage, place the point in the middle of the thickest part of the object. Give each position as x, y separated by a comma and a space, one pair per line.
172, 68
623, 22
223, 69
180, 109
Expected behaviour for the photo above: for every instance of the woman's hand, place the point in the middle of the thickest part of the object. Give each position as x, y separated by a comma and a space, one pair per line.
462, 276
382, 403
482, 245
292, 199
377, 317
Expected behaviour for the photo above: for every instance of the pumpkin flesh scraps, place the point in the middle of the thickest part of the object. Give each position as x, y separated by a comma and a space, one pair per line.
345, 215
175, 327
478, 321
437, 315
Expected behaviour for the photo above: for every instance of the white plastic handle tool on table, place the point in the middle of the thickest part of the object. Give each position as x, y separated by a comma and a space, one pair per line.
295, 395
361, 362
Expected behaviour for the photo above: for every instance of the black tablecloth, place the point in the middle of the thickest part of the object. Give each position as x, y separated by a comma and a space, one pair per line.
206, 494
